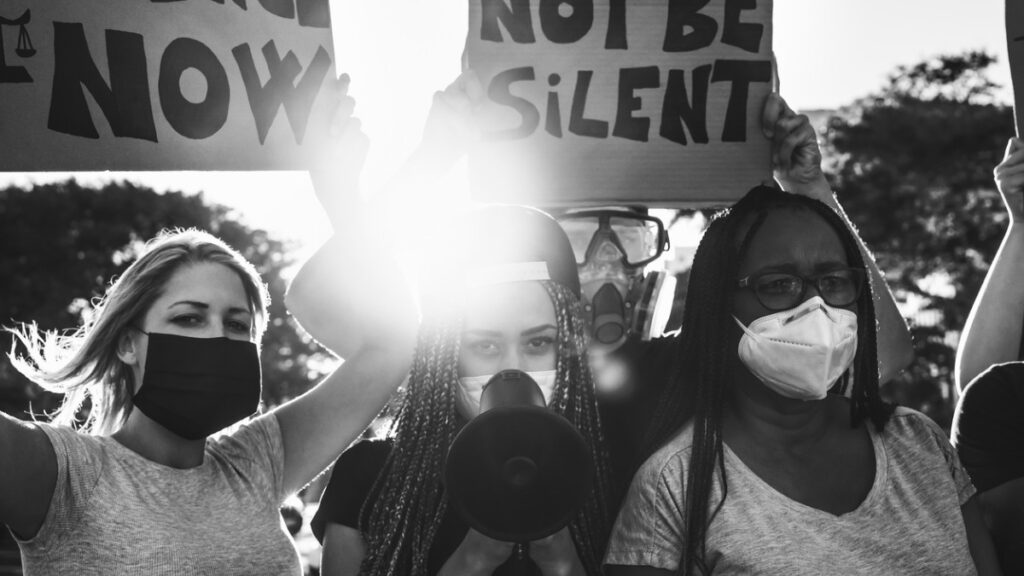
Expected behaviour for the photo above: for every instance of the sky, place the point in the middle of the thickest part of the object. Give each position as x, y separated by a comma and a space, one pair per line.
399, 52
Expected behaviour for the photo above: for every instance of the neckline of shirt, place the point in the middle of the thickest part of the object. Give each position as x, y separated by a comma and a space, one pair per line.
877, 486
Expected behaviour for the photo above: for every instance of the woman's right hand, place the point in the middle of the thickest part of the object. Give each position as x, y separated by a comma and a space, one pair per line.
477, 554
1009, 176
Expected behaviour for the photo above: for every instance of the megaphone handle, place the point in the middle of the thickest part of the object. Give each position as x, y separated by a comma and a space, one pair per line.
519, 563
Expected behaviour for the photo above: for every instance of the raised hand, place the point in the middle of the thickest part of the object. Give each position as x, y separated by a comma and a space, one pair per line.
336, 169
796, 158
451, 127
1009, 176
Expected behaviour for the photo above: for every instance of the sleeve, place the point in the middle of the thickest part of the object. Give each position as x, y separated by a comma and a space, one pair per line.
649, 528
256, 450
961, 479
351, 481
79, 465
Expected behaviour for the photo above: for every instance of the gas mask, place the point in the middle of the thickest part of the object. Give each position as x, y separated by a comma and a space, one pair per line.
612, 247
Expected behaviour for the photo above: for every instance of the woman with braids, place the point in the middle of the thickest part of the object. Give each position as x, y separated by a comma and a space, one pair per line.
506, 298
772, 450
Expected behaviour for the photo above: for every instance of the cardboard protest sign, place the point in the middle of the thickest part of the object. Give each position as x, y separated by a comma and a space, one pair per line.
163, 84
1015, 49
606, 101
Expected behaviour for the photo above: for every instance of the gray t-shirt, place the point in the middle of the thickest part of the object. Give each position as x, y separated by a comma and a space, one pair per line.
909, 523
114, 512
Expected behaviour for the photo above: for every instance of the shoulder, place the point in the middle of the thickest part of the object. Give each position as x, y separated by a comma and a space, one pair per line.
68, 438
910, 436
253, 452
76, 452
262, 430
998, 390
909, 422
668, 463
352, 480
366, 452
359, 465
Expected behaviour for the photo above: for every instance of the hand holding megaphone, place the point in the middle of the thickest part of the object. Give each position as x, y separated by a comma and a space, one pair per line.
483, 556
519, 473
476, 555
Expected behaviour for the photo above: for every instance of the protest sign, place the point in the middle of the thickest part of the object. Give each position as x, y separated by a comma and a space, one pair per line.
163, 84
1015, 49
655, 102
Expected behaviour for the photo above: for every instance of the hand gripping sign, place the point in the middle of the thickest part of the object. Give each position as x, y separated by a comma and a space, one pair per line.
655, 102
162, 84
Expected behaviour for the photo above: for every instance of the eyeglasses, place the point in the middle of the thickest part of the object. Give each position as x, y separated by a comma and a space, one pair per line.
639, 237
778, 291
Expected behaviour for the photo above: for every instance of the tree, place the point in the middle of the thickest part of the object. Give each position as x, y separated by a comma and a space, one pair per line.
63, 243
912, 165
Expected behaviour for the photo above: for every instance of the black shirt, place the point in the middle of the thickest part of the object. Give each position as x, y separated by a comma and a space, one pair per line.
624, 414
351, 485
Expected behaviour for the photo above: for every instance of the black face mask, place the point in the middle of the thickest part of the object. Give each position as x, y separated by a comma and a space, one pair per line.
197, 386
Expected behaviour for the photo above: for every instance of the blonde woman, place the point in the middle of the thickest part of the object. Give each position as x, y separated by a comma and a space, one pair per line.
171, 357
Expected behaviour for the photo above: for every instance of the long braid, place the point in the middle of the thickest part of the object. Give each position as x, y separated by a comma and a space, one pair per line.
401, 519
577, 402
703, 366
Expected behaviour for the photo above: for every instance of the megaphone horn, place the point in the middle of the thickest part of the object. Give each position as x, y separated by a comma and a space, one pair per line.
518, 471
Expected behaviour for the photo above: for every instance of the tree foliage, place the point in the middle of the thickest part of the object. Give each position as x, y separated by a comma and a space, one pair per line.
63, 243
912, 165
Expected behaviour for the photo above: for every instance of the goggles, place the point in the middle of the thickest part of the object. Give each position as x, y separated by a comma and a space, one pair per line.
640, 238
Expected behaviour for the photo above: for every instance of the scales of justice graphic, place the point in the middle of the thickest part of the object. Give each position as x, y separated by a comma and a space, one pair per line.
24, 49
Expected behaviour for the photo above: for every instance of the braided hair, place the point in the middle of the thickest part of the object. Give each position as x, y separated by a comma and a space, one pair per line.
704, 363
400, 523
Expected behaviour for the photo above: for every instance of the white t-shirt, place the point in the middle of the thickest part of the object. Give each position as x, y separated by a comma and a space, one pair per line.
909, 523
114, 512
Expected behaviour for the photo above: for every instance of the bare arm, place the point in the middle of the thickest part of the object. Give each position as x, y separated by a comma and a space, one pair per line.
979, 541
29, 475
351, 291
343, 551
353, 299
317, 426
797, 162
992, 334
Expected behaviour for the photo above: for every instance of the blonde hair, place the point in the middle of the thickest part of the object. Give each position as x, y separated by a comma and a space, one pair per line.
84, 365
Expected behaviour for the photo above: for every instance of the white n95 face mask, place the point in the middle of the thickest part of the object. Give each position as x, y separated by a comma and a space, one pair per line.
801, 352
470, 389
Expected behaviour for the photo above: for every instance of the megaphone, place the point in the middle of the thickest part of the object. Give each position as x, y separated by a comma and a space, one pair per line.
518, 471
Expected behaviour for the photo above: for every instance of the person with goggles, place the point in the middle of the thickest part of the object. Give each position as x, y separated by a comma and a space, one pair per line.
612, 248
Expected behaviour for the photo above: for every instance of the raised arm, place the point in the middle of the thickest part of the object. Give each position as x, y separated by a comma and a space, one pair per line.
796, 159
992, 334
353, 298
28, 475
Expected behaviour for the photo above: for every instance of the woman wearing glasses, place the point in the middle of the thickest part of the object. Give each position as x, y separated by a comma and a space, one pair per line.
761, 462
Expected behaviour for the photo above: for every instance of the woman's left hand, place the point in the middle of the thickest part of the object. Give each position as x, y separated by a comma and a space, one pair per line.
336, 168
796, 158
556, 555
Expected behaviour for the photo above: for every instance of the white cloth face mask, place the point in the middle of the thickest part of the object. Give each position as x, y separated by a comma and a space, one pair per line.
470, 389
800, 353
